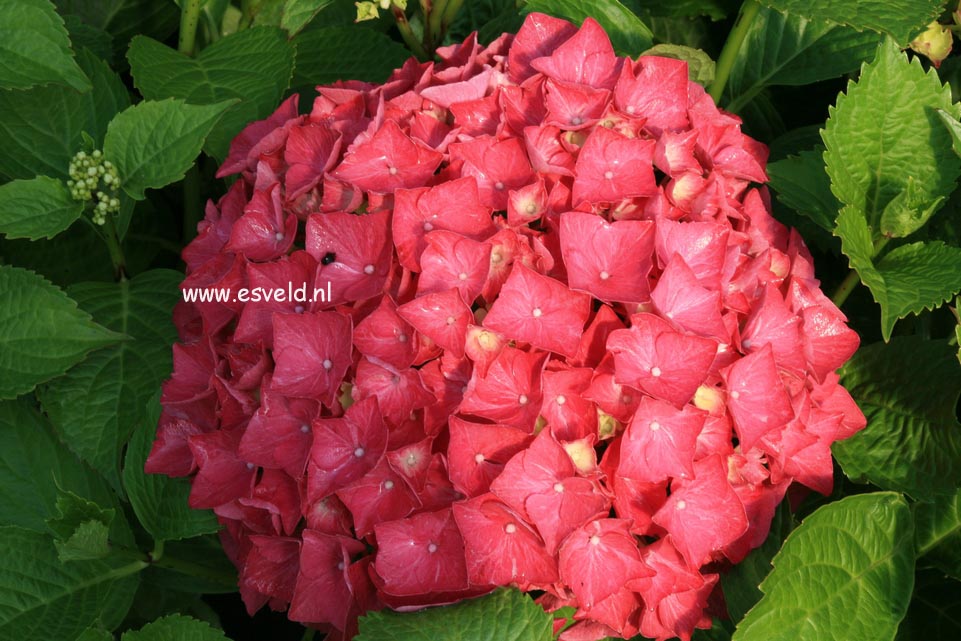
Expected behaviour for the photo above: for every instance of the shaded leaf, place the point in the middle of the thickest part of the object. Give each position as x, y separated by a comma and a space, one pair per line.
700, 67
175, 627
903, 19
42, 333
96, 406
629, 35
801, 183
907, 389
935, 610
297, 13
253, 66
46, 599
320, 57
938, 534
38, 208
35, 48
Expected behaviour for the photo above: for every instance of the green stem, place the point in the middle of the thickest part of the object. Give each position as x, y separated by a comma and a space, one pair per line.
308, 634
174, 564
725, 62
115, 248
433, 16
450, 12
851, 281
407, 33
189, 20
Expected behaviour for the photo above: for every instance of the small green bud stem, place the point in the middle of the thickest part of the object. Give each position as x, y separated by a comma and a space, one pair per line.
189, 20
725, 62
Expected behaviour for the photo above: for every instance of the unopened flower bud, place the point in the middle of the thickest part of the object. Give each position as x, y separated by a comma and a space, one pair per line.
934, 43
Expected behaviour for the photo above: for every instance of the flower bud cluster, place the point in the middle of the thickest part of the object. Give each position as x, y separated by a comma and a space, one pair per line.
92, 177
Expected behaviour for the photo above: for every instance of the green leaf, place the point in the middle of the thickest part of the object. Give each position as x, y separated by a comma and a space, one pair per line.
35, 47
253, 66
41, 127
97, 404
160, 502
903, 19
801, 183
700, 67
907, 389
786, 49
123, 19
908, 279
505, 615
34, 464
714, 9
95, 633
38, 208
629, 35
938, 534
934, 612
320, 57
42, 333
46, 599
845, 573
885, 132
297, 13
907, 212
741, 583
214, 573
81, 528
85, 36
154, 143
175, 628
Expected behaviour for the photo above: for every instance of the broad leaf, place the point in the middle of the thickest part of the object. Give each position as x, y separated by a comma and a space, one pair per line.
34, 464
801, 184
175, 627
629, 35
204, 553
907, 389
154, 143
253, 66
38, 208
46, 599
938, 534
42, 333
787, 49
297, 13
903, 19
505, 615
41, 127
885, 132
741, 583
845, 573
97, 404
714, 9
123, 19
87, 36
160, 502
321, 60
95, 633
35, 47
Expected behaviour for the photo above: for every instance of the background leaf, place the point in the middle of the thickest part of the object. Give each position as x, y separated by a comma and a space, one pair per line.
96, 405
505, 615
160, 502
903, 19
938, 534
934, 612
122, 19
154, 143
845, 573
321, 60
787, 49
42, 333
34, 464
38, 208
297, 13
41, 127
801, 183
628, 33
46, 599
253, 66
907, 389
35, 47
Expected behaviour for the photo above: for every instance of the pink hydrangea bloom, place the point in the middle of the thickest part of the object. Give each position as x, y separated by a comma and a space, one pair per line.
564, 345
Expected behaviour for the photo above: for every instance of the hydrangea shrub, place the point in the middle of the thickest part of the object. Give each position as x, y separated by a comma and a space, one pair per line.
566, 346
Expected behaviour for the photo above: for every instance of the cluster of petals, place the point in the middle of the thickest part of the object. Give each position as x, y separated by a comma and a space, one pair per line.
566, 347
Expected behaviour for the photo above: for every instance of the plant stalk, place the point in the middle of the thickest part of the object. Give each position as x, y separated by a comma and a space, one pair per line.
174, 564
115, 248
408, 34
193, 203
850, 282
725, 62
189, 21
